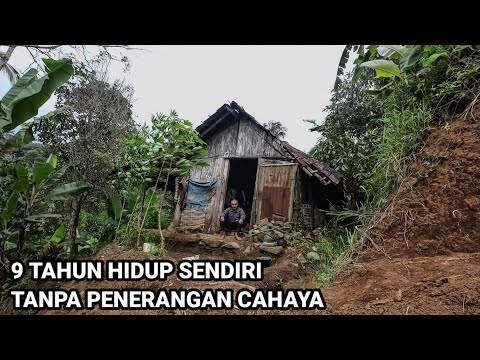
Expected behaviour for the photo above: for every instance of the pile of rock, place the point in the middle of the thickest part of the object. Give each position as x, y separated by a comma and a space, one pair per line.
273, 236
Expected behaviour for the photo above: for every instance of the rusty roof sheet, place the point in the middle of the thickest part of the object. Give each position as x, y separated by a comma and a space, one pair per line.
313, 166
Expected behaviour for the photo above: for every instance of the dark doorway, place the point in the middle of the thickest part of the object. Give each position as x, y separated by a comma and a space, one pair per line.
241, 184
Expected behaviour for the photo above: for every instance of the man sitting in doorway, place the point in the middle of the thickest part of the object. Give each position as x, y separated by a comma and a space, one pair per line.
232, 219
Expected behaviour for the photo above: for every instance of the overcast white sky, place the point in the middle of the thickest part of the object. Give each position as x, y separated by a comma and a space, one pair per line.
282, 82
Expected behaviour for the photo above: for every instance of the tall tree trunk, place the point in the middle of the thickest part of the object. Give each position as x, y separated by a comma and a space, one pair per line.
22, 228
142, 197
3, 261
73, 224
149, 201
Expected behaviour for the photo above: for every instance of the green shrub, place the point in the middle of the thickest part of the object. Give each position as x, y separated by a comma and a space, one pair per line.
335, 246
97, 225
150, 236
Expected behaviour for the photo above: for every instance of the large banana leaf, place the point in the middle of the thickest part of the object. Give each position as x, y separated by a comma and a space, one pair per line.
10, 208
392, 51
21, 178
432, 58
67, 191
41, 172
21, 138
383, 68
17, 92
342, 65
116, 205
56, 176
58, 236
31, 93
411, 57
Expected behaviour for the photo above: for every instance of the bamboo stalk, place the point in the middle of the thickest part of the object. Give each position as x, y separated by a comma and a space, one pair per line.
149, 201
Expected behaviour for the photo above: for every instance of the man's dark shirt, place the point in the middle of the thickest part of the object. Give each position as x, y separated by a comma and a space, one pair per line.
234, 215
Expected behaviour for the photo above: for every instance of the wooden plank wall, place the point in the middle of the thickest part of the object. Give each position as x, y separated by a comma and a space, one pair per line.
258, 180
203, 174
254, 142
218, 170
301, 187
212, 223
225, 140
255, 202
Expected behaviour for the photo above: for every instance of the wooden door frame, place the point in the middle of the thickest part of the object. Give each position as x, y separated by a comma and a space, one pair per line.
253, 216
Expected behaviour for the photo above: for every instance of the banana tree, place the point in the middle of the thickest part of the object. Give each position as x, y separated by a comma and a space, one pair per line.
20, 104
26, 204
30, 92
395, 61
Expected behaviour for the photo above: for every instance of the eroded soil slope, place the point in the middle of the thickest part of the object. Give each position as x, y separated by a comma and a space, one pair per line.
424, 256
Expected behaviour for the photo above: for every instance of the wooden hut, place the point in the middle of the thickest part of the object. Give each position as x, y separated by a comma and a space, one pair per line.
275, 179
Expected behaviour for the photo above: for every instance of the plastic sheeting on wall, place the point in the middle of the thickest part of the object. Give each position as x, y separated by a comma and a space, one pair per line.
199, 194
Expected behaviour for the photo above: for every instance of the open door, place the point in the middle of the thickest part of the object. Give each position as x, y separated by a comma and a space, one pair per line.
241, 185
275, 185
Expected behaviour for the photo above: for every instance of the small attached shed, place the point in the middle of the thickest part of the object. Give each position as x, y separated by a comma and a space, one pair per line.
277, 179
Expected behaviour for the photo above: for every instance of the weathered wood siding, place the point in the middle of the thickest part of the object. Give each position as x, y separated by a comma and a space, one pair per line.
218, 170
242, 138
210, 173
263, 161
254, 142
224, 140
299, 183
212, 223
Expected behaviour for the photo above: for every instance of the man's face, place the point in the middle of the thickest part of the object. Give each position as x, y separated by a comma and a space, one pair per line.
234, 204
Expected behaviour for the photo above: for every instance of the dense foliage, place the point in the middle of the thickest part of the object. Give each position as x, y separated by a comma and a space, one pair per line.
378, 117
150, 160
88, 136
374, 124
91, 175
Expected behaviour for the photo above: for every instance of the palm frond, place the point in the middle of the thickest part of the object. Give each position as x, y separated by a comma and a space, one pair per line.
9, 70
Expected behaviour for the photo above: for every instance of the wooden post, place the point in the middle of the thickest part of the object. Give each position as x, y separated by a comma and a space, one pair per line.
211, 220
176, 216
293, 175
253, 216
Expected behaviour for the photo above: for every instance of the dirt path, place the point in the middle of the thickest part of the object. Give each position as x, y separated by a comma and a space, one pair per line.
285, 271
447, 284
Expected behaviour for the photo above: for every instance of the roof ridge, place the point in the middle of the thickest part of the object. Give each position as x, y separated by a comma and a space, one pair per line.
309, 164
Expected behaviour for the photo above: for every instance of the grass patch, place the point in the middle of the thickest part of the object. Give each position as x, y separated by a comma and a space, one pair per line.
402, 135
336, 251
